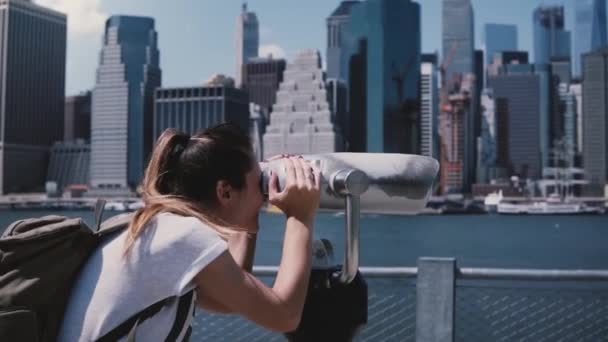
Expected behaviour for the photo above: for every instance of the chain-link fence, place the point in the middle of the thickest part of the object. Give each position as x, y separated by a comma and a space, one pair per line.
391, 310
508, 311
485, 310
391, 317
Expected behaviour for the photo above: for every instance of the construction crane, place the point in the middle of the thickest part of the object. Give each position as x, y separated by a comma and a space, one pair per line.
446, 132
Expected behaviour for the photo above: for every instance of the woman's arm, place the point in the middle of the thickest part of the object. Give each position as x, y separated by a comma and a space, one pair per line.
224, 287
242, 248
278, 308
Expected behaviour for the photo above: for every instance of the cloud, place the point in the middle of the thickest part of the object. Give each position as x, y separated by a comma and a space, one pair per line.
272, 49
84, 16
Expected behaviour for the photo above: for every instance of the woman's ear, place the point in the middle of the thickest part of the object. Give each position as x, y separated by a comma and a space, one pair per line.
223, 192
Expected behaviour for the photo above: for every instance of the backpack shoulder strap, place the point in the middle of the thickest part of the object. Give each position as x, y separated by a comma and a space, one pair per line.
100, 205
184, 312
129, 327
114, 224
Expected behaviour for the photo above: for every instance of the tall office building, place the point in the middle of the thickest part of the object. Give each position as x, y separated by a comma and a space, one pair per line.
256, 130
595, 120
569, 117
429, 106
389, 33
498, 38
337, 37
590, 29
518, 93
479, 86
501, 120
488, 138
190, 109
549, 127
247, 40
551, 40
356, 130
458, 143
460, 127
32, 92
301, 120
123, 98
561, 68
261, 79
337, 97
77, 123
576, 89
458, 37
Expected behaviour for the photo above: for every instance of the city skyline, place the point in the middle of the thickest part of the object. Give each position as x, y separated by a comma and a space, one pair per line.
283, 32
379, 67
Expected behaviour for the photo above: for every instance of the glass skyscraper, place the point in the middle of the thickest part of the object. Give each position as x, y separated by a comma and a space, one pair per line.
458, 36
32, 92
595, 120
388, 34
520, 95
551, 40
247, 41
460, 126
121, 128
498, 38
523, 99
337, 36
590, 29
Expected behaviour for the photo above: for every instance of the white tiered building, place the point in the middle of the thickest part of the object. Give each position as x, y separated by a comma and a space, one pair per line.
301, 121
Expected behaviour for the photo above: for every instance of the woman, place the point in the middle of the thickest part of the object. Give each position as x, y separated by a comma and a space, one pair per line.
198, 231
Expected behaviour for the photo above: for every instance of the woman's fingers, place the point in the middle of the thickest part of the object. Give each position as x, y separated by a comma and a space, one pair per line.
299, 172
290, 171
308, 173
317, 174
278, 156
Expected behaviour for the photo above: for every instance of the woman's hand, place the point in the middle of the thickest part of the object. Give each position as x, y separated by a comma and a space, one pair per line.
279, 156
301, 194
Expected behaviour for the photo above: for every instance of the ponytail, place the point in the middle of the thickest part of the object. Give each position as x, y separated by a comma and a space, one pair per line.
172, 182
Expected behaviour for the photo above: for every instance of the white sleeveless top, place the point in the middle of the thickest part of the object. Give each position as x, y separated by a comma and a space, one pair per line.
171, 251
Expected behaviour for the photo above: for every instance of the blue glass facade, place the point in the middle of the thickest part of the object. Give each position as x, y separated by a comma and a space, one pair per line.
121, 136
32, 92
498, 38
458, 36
391, 32
519, 95
551, 40
523, 100
590, 29
337, 36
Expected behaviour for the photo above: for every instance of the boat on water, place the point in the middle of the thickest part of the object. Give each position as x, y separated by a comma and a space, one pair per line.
553, 205
492, 200
115, 206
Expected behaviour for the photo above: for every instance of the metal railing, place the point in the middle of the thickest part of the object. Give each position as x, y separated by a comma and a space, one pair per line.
437, 301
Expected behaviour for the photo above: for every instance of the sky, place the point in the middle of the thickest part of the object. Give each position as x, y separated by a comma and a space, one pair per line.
197, 37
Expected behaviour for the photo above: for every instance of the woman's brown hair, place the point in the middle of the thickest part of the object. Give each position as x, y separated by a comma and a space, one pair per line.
183, 172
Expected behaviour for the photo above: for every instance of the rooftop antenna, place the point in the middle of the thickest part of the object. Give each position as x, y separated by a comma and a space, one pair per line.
244, 6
